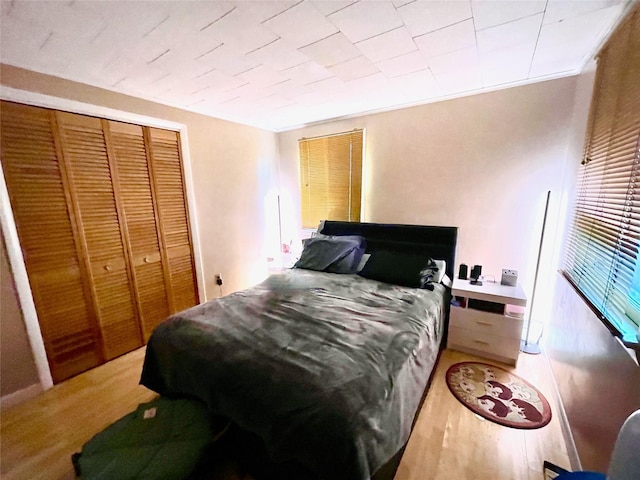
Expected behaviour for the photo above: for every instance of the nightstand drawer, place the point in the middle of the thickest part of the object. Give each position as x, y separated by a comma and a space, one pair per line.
493, 345
485, 323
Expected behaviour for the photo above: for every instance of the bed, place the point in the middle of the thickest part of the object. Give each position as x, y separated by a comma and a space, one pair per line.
327, 368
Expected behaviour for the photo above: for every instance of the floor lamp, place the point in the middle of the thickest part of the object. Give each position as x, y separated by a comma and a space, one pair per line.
525, 345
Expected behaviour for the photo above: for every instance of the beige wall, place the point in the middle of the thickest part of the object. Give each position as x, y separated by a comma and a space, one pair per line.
17, 368
482, 163
233, 169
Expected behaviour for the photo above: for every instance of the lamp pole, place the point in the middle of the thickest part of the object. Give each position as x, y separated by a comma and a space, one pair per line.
525, 346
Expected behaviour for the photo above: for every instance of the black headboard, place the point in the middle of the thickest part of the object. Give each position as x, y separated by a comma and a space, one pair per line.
436, 242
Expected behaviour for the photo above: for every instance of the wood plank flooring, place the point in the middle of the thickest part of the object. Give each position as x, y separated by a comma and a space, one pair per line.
38, 437
450, 441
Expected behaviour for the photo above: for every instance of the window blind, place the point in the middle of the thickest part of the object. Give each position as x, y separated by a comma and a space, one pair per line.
331, 178
601, 257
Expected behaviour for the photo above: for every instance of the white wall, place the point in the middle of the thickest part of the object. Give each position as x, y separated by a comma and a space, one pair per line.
482, 163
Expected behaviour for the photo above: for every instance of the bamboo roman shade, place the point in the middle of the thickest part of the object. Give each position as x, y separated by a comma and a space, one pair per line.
101, 214
602, 251
331, 178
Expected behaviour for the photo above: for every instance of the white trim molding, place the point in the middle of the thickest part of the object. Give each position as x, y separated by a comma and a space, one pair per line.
9, 228
23, 288
16, 398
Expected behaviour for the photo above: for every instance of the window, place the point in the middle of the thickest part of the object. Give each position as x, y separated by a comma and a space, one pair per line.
602, 256
331, 178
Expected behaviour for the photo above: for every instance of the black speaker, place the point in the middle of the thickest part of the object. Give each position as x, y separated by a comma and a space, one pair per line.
462, 273
476, 271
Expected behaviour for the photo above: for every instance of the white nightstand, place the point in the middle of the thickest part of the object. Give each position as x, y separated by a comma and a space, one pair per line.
488, 321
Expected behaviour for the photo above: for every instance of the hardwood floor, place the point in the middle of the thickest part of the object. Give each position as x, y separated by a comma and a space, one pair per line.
38, 437
450, 441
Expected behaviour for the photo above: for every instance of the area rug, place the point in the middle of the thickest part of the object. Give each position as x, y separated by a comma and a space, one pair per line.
498, 395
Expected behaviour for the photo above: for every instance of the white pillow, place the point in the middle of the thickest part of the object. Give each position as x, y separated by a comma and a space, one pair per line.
363, 262
442, 267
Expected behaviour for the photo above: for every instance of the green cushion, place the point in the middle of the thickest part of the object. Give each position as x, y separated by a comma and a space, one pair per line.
167, 445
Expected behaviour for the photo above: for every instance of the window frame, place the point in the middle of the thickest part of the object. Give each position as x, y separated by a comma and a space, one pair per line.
602, 249
321, 150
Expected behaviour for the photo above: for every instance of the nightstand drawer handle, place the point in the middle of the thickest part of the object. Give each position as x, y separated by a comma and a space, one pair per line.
487, 324
481, 342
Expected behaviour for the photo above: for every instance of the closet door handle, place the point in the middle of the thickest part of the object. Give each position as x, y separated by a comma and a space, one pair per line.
147, 259
108, 268
486, 324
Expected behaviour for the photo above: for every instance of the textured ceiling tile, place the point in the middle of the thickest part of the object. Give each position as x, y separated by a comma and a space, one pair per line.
228, 59
289, 89
24, 38
262, 76
331, 50
307, 73
232, 29
506, 65
126, 21
402, 65
221, 59
259, 12
367, 84
278, 55
301, 25
459, 61
328, 85
219, 81
364, 20
417, 86
558, 10
59, 16
489, 13
353, 69
427, 16
525, 30
455, 37
567, 44
331, 6
36, 59
400, 3
273, 102
456, 84
387, 45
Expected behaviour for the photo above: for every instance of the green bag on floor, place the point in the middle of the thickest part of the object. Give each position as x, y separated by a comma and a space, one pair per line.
163, 439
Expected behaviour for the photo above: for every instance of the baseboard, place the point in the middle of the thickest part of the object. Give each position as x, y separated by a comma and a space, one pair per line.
20, 396
572, 451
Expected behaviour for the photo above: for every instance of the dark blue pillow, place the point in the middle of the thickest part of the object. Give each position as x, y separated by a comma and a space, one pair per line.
335, 254
399, 268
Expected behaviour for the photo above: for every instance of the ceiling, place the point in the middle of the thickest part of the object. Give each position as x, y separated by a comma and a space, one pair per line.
282, 64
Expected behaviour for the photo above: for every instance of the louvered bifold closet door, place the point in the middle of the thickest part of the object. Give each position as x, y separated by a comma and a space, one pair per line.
100, 223
169, 192
42, 212
130, 154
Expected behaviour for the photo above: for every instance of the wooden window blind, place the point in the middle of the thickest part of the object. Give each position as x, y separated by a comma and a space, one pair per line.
601, 257
331, 178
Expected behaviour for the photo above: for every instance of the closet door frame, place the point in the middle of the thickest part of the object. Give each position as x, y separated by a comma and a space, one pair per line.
9, 230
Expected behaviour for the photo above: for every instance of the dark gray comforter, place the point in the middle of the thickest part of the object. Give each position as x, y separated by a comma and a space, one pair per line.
327, 369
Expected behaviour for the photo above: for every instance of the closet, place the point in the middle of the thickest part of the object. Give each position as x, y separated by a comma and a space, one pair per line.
101, 214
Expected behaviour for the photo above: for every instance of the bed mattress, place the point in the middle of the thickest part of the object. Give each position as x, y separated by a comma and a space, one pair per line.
327, 369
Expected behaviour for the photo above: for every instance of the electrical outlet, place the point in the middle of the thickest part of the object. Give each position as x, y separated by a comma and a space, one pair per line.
509, 277
218, 279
